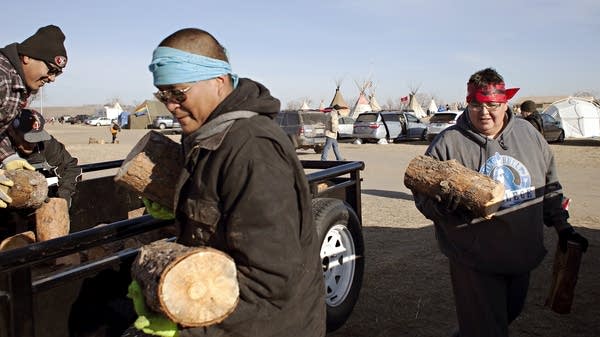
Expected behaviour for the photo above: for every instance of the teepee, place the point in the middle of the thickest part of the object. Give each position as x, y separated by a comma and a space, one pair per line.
432, 107
414, 105
305, 106
339, 100
373, 101
362, 103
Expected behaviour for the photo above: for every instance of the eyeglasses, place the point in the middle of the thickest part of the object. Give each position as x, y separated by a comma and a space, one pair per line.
52, 69
172, 95
490, 106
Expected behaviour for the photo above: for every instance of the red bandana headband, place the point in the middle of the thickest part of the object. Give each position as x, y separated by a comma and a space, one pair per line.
490, 93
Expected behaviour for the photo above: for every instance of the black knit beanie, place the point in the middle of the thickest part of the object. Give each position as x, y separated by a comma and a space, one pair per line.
47, 44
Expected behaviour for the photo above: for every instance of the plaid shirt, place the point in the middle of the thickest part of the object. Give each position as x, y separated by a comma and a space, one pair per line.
13, 97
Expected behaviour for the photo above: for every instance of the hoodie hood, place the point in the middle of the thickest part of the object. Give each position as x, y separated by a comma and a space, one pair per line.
250, 96
11, 53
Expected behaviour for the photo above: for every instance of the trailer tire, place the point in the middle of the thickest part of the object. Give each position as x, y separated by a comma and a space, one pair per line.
340, 234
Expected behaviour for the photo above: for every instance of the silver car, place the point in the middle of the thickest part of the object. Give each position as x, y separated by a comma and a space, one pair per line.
441, 120
383, 126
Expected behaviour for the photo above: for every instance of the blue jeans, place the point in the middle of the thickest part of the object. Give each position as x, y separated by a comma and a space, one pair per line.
331, 142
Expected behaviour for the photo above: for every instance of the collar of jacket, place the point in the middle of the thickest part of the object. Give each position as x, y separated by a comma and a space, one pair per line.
210, 135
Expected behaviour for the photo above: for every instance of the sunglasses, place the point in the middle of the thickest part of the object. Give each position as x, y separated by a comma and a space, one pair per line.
172, 95
490, 106
52, 69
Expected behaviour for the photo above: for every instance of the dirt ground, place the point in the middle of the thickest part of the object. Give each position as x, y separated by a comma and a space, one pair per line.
406, 288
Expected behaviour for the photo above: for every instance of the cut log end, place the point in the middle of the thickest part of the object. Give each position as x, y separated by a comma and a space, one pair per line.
200, 289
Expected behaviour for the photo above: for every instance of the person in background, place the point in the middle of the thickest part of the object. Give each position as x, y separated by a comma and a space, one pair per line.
45, 153
491, 259
24, 68
331, 133
114, 129
242, 190
530, 113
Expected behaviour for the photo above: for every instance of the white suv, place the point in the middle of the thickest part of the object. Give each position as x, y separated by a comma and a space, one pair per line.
441, 120
165, 122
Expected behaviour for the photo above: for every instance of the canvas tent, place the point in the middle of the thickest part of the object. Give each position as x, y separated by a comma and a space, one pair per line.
305, 106
362, 103
415, 106
145, 113
580, 118
432, 107
373, 101
339, 100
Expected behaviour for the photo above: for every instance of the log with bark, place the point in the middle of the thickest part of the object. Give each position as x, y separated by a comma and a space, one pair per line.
30, 188
565, 272
440, 179
192, 286
152, 167
52, 219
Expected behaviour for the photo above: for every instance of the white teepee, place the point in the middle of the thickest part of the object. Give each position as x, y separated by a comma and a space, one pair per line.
362, 103
373, 101
414, 105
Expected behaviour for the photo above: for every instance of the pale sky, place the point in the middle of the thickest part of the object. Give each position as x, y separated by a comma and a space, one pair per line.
300, 49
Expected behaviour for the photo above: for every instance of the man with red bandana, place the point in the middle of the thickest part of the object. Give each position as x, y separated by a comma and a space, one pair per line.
491, 259
24, 68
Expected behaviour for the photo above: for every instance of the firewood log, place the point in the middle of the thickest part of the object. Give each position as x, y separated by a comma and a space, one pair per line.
30, 188
192, 286
565, 272
438, 179
152, 168
52, 219
17, 241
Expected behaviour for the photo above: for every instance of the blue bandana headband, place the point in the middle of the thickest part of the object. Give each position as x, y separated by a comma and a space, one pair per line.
172, 66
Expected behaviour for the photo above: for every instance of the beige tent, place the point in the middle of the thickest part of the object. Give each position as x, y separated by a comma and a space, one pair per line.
305, 106
339, 100
145, 113
373, 101
415, 106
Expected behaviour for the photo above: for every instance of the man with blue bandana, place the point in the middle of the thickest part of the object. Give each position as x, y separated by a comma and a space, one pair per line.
242, 190
491, 258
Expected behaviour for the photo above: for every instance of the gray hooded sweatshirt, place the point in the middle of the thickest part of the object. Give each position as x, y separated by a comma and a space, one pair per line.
512, 240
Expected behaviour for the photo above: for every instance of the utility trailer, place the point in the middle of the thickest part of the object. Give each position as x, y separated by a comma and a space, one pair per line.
62, 299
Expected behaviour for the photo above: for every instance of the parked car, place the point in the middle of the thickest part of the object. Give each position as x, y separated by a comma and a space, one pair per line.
98, 121
553, 131
306, 129
441, 120
79, 119
382, 126
165, 122
412, 127
64, 119
345, 128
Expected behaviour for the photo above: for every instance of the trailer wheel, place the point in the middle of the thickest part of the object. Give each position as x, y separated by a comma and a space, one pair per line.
342, 248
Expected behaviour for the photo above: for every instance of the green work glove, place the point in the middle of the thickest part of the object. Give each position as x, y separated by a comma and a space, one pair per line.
5, 185
17, 164
158, 211
149, 322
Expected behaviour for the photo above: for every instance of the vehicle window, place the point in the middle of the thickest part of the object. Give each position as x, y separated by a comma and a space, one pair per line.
442, 117
314, 117
412, 119
279, 118
367, 118
292, 119
548, 119
390, 117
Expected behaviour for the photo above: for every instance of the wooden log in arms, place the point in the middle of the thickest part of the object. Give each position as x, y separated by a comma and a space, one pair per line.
439, 179
30, 188
192, 286
564, 278
52, 219
152, 167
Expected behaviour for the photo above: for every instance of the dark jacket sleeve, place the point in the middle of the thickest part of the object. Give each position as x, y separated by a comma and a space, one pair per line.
65, 168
